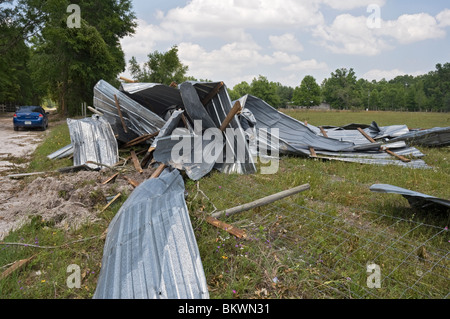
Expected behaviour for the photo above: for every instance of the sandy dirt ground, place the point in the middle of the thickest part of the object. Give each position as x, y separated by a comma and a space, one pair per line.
68, 200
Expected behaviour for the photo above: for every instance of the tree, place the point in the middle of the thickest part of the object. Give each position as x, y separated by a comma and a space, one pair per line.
161, 67
239, 90
340, 89
265, 90
308, 93
68, 62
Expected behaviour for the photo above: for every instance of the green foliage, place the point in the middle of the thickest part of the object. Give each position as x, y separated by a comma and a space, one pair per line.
62, 63
161, 67
308, 93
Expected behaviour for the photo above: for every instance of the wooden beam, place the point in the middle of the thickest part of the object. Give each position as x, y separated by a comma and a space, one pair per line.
211, 94
158, 171
140, 139
17, 265
119, 111
127, 80
323, 131
111, 202
402, 158
147, 157
262, 201
228, 228
235, 110
312, 151
131, 181
366, 135
110, 179
136, 163
95, 111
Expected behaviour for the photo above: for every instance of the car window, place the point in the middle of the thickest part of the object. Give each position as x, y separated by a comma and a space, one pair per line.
31, 109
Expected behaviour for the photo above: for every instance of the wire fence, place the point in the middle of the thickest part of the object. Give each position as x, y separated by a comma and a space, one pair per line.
347, 252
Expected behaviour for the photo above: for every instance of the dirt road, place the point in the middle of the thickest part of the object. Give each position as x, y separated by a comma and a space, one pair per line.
16, 144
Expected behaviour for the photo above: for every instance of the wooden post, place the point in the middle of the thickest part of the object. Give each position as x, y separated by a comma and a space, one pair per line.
211, 94
262, 201
120, 114
235, 110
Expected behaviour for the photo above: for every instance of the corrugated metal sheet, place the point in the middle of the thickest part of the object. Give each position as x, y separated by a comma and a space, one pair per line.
435, 137
137, 118
158, 98
63, 152
415, 198
295, 137
93, 140
150, 250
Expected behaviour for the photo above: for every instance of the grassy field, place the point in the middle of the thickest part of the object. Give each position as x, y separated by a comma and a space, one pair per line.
316, 244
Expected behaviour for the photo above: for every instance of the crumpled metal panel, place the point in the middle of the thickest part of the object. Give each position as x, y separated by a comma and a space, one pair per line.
197, 159
150, 250
379, 161
435, 137
137, 118
158, 98
93, 140
414, 198
295, 137
218, 108
63, 152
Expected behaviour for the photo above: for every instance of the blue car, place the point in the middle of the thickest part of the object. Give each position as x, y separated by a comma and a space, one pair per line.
30, 117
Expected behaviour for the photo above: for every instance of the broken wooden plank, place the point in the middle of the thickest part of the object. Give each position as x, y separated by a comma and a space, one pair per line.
158, 171
131, 181
366, 135
17, 265
211, 94
239, 233
95, 111
127, 80
119, 111
147, 157
262, 201
111, 202
110, 179
312, 151
323, 131
402, 158
136, 163
140, 139
235, 110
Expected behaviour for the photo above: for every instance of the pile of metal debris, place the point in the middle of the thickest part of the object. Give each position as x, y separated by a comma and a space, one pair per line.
150, 249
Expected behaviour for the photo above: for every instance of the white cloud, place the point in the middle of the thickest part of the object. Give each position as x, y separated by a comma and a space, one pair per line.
350, 35
377, 74
286, 42
352, 4
410, 28
355, 36
229, 18
444, 18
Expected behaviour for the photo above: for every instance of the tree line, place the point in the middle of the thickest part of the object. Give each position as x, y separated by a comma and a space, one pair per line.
344, 91
42, 59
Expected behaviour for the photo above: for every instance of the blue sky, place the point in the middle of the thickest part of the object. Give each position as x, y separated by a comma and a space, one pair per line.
285, 40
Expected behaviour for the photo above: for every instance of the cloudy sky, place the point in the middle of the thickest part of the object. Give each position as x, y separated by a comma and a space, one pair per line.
284, 40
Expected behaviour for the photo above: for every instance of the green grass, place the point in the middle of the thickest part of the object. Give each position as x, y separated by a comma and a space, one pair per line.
57, 139
312, 245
